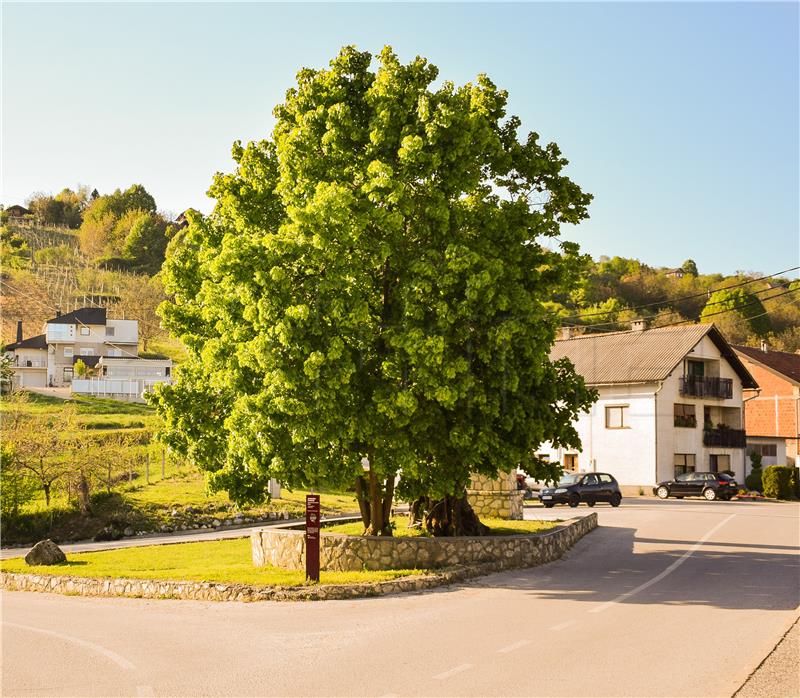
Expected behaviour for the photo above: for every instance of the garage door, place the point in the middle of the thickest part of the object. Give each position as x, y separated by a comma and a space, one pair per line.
32, 379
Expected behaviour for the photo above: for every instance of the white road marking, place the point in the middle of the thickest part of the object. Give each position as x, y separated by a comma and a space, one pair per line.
108, 654
453, 671
145, 691
667, 571
563, 625
515, 646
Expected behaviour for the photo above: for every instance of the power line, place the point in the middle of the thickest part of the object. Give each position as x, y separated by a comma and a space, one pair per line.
685, 298
691, 321
612, 323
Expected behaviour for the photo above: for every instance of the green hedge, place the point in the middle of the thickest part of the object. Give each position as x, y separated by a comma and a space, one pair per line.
780, 481
753, 480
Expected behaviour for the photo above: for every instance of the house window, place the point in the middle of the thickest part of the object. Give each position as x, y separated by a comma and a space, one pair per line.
68, 352
719, 463
684, 463
166, 370
109, 331
85, 331
764, 450
68, 374
617, 417
695, 368
570, 461
685, 416
87, 351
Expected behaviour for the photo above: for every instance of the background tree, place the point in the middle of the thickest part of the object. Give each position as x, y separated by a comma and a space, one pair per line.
362, 290
739, 302
139, 297
18, 488
689, 267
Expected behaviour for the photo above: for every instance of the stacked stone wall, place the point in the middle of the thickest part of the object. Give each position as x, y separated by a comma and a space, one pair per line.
286, 549
498, 498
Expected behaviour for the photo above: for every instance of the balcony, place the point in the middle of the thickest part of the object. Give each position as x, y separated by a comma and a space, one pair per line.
29, 363
707, 386
724, 438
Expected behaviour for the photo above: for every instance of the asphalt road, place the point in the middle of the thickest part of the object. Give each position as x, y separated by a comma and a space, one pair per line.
665, 599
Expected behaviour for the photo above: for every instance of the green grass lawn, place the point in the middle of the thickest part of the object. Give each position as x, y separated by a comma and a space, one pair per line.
499, 527
225, 561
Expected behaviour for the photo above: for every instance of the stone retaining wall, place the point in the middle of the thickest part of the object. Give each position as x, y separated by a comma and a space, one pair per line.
286, 549
550, 547
498, 498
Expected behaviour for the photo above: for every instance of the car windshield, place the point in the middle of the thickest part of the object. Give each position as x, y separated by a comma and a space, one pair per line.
569, 479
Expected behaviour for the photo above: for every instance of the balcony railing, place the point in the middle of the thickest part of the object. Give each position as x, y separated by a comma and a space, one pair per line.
29, 363
707, 386
724, 438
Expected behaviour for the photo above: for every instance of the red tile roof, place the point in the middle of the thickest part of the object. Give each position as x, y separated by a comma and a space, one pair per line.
778, 361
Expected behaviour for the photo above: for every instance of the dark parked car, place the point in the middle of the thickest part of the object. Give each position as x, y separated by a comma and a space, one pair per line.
709, 485
575, 488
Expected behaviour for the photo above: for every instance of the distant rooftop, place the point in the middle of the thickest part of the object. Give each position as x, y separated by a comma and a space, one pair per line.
779, 361
82, 316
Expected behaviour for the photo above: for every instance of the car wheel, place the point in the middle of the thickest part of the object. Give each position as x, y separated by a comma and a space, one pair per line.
662, 492
616, 499
574, 500
590, 502
710, 494
549, 505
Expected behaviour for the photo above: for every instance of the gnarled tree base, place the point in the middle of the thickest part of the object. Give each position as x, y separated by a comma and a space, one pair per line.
450, 516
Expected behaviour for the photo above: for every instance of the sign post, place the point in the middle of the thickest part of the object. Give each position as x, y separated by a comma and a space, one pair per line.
312, 537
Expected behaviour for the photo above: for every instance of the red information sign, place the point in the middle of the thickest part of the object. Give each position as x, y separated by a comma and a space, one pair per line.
312, 537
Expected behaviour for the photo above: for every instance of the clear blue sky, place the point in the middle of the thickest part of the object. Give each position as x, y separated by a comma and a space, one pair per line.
681, 118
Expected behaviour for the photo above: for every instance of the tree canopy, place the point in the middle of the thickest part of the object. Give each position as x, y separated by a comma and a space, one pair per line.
370, 285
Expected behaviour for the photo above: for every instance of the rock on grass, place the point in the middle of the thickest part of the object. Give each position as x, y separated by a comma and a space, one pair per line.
45, 552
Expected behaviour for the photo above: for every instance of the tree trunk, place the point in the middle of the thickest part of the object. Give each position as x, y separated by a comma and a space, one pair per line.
452, 516
83, 496
46, 488
375, 504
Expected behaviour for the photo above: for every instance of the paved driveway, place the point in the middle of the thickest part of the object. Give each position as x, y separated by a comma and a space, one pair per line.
665, 599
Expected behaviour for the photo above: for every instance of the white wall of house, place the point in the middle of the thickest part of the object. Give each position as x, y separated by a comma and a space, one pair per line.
121, 331
136, 368
767, 444
689, 440
628, 453
642, 452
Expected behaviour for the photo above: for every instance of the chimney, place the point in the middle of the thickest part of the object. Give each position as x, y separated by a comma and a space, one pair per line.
19, 330
639, 325
764, 346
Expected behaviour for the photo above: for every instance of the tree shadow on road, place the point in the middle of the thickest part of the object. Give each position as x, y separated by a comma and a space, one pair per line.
603, 566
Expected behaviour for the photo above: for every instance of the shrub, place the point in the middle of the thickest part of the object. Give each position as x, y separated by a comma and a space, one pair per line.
755, 460
778, 482
795, 478
754, 480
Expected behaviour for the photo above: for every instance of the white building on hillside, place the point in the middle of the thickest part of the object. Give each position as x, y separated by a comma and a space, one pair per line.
670, 401
87, 335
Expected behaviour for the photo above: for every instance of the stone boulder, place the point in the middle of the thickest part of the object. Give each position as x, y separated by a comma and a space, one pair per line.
45, 552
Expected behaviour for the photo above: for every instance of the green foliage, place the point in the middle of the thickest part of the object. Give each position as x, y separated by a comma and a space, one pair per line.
59, 255
746, 305
14, 250
754, 480
17, 488
778, 482
689, 267
755, 460
362, 290
124, 230
80, 368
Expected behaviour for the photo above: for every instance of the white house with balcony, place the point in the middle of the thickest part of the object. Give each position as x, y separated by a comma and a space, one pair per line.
87, 335
670, 401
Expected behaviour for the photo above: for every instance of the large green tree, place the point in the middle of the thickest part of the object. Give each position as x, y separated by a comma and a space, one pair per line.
737, 305
369, 289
